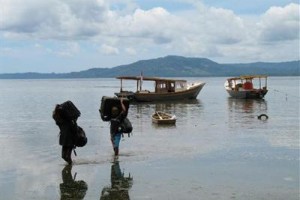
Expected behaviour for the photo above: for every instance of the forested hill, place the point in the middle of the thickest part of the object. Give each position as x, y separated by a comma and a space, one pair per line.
174, 66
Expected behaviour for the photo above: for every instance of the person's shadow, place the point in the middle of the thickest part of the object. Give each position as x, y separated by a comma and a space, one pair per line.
70, 188
120, 185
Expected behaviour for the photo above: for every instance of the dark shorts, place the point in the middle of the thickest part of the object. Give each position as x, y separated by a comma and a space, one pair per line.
115, 139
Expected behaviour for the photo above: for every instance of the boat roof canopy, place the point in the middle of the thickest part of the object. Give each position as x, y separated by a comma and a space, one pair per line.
149, 79
248, 77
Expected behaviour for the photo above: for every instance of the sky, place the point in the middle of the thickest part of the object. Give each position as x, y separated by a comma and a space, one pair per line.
74, 35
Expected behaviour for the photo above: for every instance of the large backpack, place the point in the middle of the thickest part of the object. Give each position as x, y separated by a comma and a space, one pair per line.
126, 126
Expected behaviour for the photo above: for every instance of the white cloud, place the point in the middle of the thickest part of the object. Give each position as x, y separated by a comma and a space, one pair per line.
130, 51
84, 19
152, 24
280, 23
123, 29
109, 50
54, 19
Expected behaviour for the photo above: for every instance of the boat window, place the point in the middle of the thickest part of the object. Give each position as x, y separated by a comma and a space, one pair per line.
162, 85
180, 85
171, 87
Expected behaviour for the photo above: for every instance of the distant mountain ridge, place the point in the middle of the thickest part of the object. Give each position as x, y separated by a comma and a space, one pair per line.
173, 66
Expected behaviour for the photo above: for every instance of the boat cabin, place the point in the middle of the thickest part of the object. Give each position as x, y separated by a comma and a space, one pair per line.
161, 85
159, 89
164, 85
247, 82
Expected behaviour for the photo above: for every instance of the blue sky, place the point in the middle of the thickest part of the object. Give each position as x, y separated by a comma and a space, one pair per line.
74, 35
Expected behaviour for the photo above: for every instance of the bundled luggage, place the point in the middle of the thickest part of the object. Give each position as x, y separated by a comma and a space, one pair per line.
65, 112
106, 105
70, 111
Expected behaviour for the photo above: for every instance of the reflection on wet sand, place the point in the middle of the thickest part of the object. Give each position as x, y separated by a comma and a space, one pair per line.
184, 107
70, 188
120, 185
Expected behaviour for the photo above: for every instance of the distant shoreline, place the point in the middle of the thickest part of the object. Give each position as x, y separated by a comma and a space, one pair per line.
36, 78
172, 66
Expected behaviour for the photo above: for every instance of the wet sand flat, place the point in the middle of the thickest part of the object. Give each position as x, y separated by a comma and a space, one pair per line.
218, 148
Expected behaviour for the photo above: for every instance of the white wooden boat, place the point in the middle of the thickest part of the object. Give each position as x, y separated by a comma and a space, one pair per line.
164, 89
163, 118
247, 87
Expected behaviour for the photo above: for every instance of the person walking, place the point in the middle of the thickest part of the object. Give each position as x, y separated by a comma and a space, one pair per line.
117, 118
68, 129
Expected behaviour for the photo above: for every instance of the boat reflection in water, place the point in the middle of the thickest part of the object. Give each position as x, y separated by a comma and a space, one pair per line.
70, 188
176, 107
244, 112
120, 185
181, 109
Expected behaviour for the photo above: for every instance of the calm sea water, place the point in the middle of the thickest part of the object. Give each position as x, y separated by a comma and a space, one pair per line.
218, 149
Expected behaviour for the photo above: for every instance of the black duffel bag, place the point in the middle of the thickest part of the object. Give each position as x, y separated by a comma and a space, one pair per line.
126, 126
80, 138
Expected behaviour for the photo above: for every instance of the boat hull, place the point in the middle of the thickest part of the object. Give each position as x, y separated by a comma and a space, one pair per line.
163, 118
190, 93
163, 121
250, 94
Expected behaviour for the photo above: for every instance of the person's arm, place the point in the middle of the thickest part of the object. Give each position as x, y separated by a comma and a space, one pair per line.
122, 114
57, 115
122, 105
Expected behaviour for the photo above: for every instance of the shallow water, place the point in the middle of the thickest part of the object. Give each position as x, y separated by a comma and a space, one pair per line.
218, 149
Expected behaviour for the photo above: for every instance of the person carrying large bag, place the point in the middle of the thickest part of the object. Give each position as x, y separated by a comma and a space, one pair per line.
117, 125
71, 135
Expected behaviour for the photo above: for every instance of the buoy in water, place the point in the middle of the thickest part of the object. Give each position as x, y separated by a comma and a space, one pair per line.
263, 117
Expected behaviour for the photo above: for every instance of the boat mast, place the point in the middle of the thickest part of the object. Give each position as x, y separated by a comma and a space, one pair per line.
141, 80
121, 88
